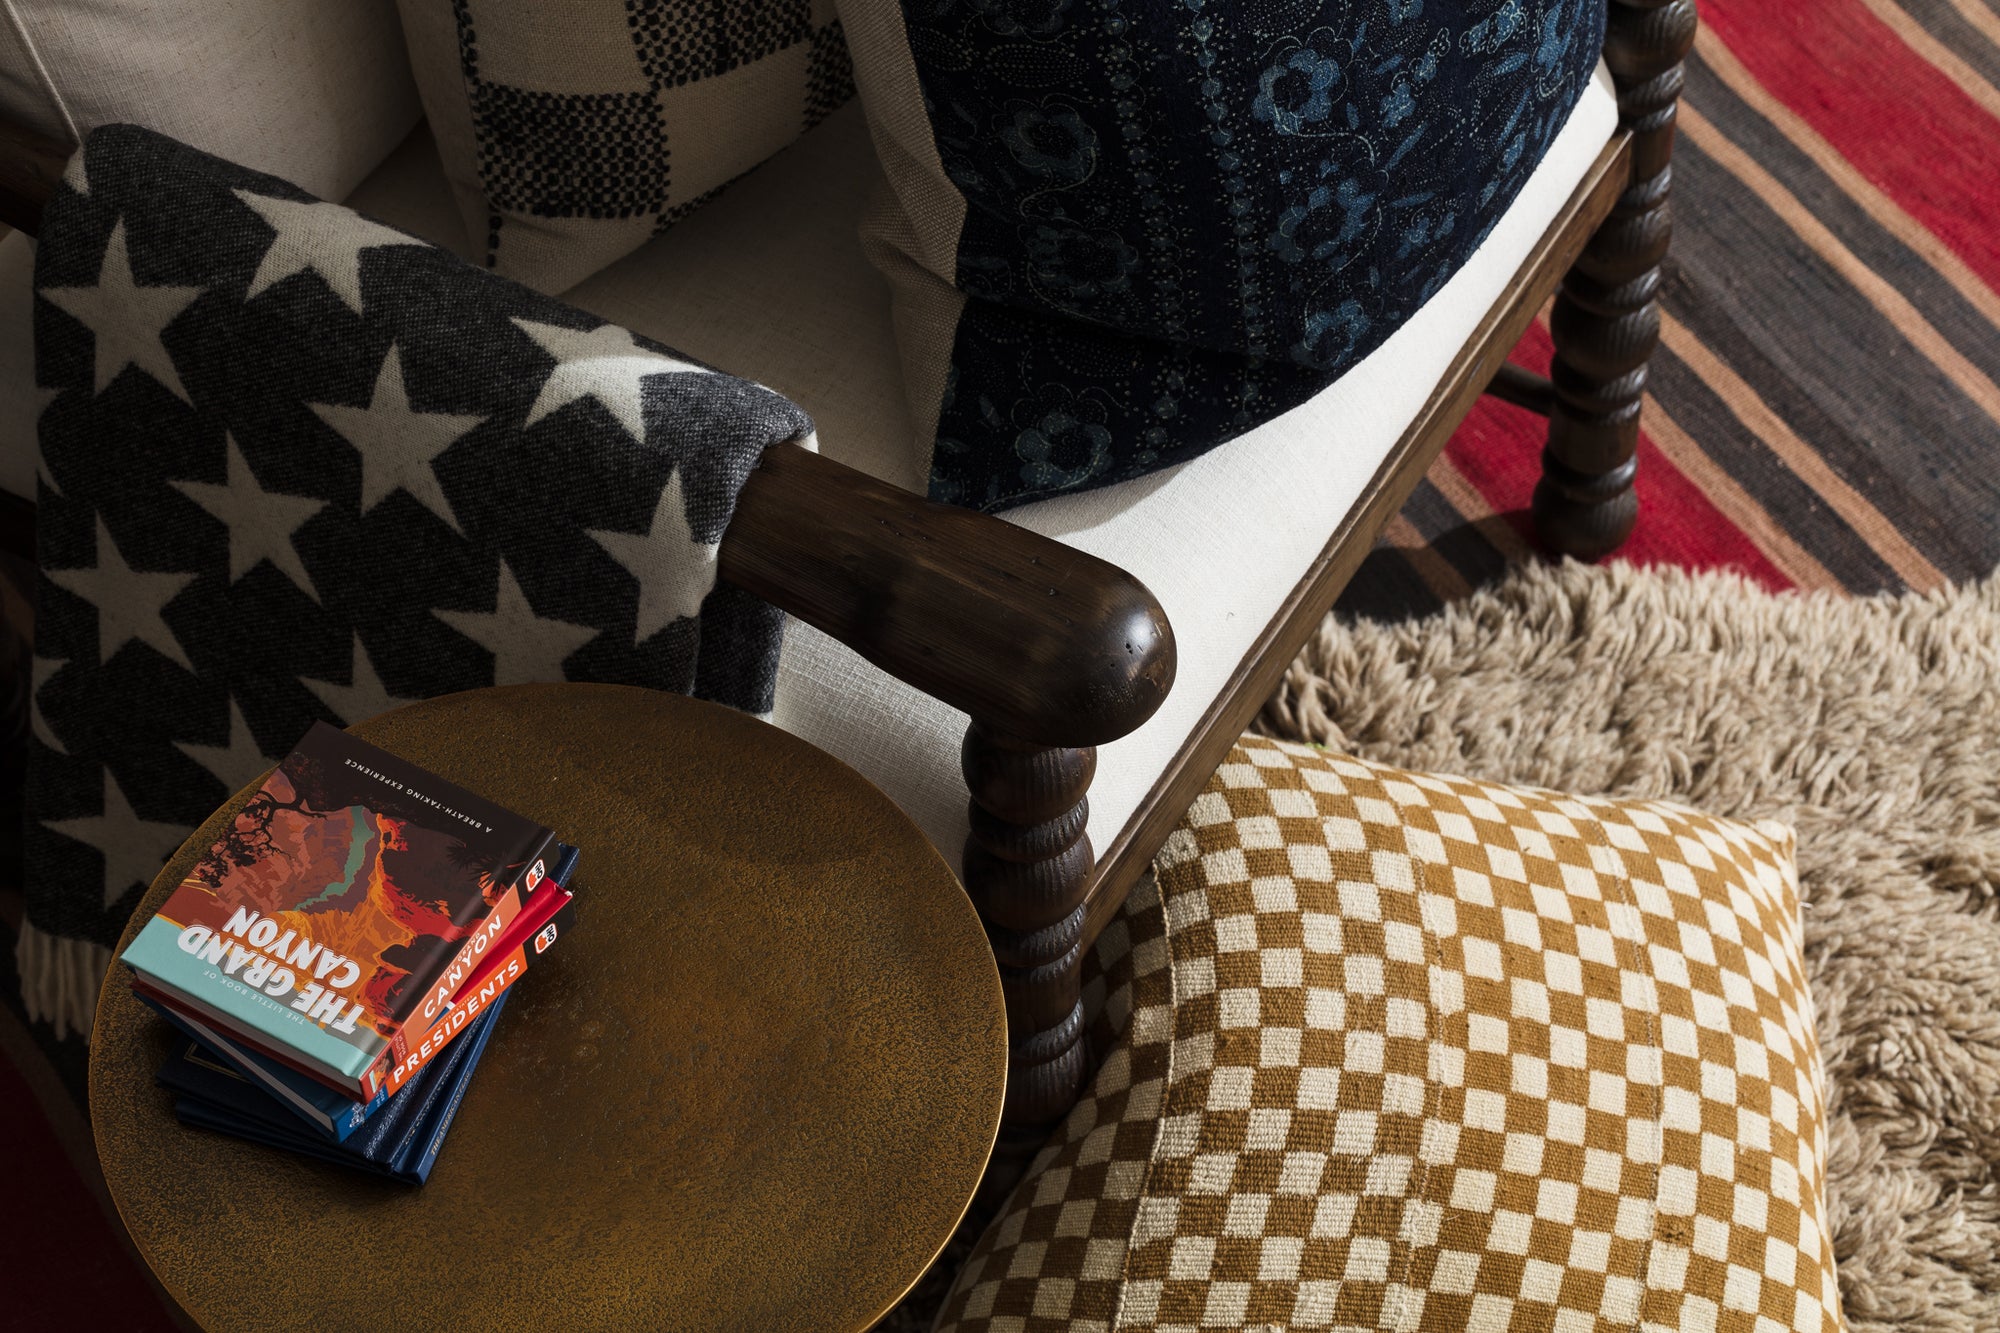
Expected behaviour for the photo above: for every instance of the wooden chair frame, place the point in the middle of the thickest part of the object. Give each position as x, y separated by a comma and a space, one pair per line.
1053, 652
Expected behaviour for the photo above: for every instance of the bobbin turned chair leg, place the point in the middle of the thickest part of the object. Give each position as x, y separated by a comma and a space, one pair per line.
1606, 320
1028, 862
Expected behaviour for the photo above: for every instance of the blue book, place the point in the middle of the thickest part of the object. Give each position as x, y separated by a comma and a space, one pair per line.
218, 1066
399, 1143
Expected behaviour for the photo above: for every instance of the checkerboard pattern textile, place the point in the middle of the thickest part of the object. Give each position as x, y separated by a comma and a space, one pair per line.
596, 124
1058, 1251
1440, 1055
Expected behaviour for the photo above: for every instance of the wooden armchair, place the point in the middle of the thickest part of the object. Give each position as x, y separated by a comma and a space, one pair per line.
1052, 652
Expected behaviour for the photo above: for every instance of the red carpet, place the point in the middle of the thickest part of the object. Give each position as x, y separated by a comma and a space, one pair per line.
1823, 413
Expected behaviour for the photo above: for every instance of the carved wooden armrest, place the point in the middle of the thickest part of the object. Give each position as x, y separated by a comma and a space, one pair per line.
1050, 651
1036, 641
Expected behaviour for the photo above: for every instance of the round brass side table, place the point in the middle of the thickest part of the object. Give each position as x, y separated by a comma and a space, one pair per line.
754, 1088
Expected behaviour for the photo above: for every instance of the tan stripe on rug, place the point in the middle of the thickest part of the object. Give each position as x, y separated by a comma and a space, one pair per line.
1887, 213
1757, 417
1729, 496
1871, 725
1939, 56
1980, 17
1878, 291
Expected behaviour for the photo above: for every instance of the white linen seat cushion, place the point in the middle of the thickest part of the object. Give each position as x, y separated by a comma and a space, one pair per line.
768, 281
1221, 540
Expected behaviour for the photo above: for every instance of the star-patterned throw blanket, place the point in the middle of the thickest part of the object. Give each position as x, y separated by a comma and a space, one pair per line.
298, 465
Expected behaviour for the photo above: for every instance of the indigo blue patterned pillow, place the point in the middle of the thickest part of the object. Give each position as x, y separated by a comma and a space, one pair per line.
1125, 231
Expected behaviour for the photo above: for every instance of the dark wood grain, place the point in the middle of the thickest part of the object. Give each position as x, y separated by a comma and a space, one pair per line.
1606, 320
1027, 867
17, 527
1128, 856
30, 166
1523, 388
1033, 638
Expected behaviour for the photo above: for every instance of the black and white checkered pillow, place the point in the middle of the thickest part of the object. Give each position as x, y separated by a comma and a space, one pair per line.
575, 130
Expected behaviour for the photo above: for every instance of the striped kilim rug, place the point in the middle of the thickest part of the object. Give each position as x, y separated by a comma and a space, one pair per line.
1823, 409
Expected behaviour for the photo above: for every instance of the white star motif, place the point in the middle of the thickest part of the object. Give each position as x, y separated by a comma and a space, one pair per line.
128, 601
603, 363
525, 646
325, 238
234, 763
362, 699
134, 848
397, 444
669, 587
126, 319
45, 667
260, 522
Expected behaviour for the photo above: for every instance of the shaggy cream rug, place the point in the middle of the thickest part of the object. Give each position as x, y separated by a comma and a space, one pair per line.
1870, 725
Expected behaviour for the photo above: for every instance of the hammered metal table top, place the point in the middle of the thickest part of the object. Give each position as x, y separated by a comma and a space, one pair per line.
754, 1089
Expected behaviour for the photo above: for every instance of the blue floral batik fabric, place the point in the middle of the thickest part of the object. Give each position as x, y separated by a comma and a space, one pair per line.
1186, 218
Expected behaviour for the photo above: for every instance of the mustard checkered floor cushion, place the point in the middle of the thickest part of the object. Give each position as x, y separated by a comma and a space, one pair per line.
1395, 1051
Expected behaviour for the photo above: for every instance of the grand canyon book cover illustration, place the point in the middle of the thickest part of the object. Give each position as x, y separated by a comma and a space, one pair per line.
340, 899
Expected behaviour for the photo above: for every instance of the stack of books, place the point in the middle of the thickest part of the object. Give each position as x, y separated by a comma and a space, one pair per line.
335, 963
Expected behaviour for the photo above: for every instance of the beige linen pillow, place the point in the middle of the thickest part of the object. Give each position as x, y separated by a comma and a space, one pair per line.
315, 91
572, 131
1413, 1052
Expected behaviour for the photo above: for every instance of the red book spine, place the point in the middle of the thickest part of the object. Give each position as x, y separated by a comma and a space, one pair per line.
466, 1006
501, 968
491, 928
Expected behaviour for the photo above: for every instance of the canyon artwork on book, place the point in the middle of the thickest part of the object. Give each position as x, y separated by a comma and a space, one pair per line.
343, 909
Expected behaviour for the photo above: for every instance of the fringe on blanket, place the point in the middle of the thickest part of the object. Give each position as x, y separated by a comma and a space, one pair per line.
60, 977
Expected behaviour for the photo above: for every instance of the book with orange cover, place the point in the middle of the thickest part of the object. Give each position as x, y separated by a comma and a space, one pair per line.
548, 914
547, 917
349, 897
328, 1110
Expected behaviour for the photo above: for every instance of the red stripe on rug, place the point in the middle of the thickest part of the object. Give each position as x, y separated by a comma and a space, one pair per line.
1498, 449
1902, 123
